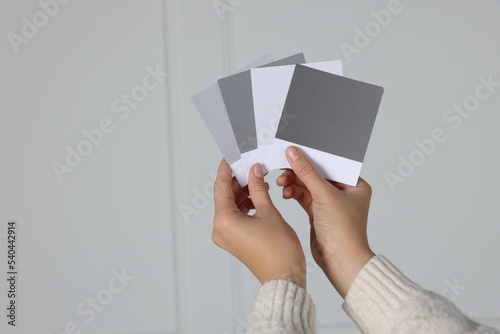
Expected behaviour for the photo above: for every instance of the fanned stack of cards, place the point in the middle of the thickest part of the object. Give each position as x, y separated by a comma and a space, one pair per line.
255, 114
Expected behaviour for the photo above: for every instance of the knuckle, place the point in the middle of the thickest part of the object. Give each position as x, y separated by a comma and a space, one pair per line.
216, 238
366, 189
259, 188
369, 190
219, 223
219, 183
218, 232
305, 169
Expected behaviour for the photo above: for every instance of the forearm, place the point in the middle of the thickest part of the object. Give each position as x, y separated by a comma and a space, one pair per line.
382, 300
283, 307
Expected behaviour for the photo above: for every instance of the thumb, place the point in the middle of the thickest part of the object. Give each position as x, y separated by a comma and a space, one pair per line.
305, 171
259, 189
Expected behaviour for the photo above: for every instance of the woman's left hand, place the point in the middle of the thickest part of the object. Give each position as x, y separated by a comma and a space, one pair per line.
264, 242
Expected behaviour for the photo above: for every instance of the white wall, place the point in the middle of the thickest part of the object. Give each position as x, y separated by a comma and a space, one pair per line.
113, 210
120, 207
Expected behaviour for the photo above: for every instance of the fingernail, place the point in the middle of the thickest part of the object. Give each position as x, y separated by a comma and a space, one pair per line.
257, 170
292, 153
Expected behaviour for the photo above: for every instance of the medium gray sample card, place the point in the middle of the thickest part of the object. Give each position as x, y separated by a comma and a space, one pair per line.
236, 91
329, 113
237, 94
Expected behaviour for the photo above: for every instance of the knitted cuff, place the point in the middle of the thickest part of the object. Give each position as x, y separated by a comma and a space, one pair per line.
283, 307
377, 294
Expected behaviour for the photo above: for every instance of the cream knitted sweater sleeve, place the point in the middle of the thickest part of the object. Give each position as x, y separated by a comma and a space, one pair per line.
380, 300
283, 307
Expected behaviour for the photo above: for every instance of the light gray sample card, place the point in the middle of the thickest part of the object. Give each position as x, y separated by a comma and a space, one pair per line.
210, 104
329, 113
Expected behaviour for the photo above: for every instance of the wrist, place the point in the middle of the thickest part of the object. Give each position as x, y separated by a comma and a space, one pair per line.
300, 281
295, 274
345, 266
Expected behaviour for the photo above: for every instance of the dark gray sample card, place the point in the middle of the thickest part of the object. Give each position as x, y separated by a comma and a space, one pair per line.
291, 60
329, 113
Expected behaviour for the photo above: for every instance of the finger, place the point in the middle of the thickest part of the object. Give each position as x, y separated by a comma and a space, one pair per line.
340, 186
363, 187
283, 179
305, 171
259, 189
287, 177
293, 191
223, 194
362, 183
300, 194
236, 187
292, 187
249, 204
246, 206
242, 196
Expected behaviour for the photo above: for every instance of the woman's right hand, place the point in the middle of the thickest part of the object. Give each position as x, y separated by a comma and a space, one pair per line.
338, 216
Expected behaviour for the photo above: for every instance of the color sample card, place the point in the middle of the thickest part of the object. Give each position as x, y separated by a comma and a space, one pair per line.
236, 91
338, 123
256, 114
270, 89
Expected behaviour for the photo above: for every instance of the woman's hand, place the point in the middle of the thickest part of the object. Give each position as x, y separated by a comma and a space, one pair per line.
264, 242
338, 215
